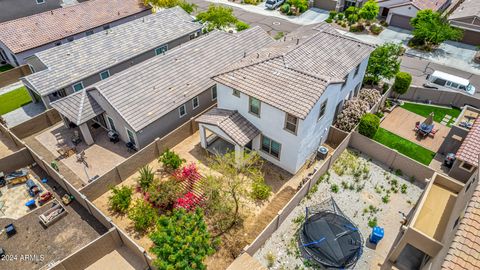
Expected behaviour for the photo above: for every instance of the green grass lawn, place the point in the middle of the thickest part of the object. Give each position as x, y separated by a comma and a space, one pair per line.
5, 68
425, 110
14, 100
406, 147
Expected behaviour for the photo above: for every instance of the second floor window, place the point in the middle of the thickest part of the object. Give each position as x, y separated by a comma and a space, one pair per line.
182, 111
195, 102
104, 74
214, 92
161, 49
70, 39
254, 106
40, 1
106, 27
89, 33
323, 108
291, 123
78, 86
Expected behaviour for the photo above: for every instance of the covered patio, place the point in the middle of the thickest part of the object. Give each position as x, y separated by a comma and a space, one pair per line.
223, 131
403, 122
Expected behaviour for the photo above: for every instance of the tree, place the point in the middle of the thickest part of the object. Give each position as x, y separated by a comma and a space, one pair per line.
383, 63
217, 17
301, 5
182, 241
225, 191
402, 82
188, 7
240, 26
146, 177
369, 10
171, 160
120, 199
431, 28
369, 124
142, 214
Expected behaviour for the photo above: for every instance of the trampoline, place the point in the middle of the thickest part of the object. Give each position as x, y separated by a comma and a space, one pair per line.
328, 238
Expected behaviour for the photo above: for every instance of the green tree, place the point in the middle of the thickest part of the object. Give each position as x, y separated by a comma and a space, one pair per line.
431, 28
142, 214
217, 17
369, 124
402, 82
171, 160
369, 10
240, 26
182, 241
188, 7
384, 63
301, 5
120, 199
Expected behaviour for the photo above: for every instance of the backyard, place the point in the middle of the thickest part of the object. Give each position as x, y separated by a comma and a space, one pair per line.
5, 68
367, 192
404, 146
14, 99
440, 113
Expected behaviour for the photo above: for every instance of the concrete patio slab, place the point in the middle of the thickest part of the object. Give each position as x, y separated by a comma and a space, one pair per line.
402, 123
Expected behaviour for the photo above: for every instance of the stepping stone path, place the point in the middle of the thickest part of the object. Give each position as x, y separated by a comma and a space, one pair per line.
446, 119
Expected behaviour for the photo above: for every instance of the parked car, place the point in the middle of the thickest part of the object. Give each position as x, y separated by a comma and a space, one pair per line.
273, 4
440, 79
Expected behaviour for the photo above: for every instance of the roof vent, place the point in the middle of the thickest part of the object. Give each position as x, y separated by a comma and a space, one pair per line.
244, 54
298, 40
51, 12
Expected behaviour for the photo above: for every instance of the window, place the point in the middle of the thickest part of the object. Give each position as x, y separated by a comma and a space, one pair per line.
182, 110
195, 102
291, 123
161, 49
192, 35
323, 108
131, 136
106, 27
466, 166
357, 69
236, 93
440, 81
31, 68
214, 92
58, 43
70, 39
254, 107
90, 32
40, 2
78, 86
271, 147
111, 124
104, 74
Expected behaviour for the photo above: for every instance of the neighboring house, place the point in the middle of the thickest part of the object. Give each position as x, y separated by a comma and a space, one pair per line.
337, 5
153, 98
14, 9
282, 99
62, 70
467, 156
467, 17
442, 231
26, 36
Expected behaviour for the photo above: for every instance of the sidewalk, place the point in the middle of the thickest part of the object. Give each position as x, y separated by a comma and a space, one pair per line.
449, 53
311, 16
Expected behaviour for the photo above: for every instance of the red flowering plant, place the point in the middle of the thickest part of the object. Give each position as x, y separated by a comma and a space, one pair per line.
188, 202
189, 174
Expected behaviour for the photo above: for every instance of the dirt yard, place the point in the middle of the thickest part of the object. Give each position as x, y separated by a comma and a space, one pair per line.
370, 191
7, 146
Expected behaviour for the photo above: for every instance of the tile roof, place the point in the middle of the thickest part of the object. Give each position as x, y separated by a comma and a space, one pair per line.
305, 63
469, 151
464, 252
239, 129
33, 31
430, 4
78, 107
74, 61
469, 8
147, 91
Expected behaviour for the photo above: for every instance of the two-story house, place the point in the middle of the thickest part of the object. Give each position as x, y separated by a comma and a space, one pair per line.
282, 99
26, 36
63, 70
153, 98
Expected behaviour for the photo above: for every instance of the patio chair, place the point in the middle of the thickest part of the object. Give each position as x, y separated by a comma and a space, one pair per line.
432, 133
417, 124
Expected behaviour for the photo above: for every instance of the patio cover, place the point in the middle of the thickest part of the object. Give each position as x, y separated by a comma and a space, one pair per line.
239, 129
78, 107
469, 151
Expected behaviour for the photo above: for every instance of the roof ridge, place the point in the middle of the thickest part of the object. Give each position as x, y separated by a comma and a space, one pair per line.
82, 102
250, 64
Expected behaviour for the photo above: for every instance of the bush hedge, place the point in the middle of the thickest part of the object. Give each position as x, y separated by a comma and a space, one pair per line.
402, 82
369, 124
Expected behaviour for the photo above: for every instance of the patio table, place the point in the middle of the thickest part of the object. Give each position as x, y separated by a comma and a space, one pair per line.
425, 129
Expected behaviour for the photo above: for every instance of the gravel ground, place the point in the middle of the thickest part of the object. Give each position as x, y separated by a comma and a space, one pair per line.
280, 251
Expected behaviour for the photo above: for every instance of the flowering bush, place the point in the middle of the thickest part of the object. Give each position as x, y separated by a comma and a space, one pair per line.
352, 111
188, 201
188, 173
163, 194
371, 96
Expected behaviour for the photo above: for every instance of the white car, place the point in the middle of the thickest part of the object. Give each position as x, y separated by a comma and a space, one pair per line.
440, 79
273, 4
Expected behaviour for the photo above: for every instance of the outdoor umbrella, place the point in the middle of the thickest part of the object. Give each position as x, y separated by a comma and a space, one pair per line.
429, 120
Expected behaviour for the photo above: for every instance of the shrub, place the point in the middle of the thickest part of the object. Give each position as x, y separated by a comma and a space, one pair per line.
334, 188
142, 214
163, 193
379, 114
146, 177
386, 199
301, 5
188, 7
340, 16
402, 82
372, 222
270, 259
332, 14
188, 202
353, 110
357, 28
171, 160
278, 35
403, 188
250, 2
350, 10
240, 26
353, 18
369, 124
369, 95
385, 87
328, 20
120, 199
285, 8
260, 190
376, 29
